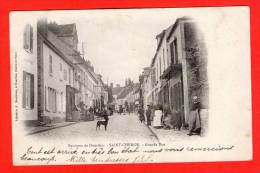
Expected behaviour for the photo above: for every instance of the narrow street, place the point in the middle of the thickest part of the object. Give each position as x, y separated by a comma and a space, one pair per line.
121, 128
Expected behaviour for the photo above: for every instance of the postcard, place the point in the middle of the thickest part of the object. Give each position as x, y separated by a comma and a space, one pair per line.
131, 85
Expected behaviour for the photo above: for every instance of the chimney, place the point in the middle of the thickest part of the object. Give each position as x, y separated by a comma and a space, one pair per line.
42, 27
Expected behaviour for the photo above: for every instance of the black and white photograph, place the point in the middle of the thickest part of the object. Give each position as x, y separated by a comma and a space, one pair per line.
130, 85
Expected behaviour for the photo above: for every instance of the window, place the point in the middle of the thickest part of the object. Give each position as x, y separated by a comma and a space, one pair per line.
28, 90
61, 102
28, 38
174, 51
51, 100
164, 64
61, 72
160, 61
168, 57
157, 72
69, 76
58, 102
50, 65
65, 74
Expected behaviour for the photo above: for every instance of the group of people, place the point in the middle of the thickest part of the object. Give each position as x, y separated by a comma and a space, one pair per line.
89, 113
163, 117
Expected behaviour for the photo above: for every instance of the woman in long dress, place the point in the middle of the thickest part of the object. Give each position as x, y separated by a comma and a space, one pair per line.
157, 120
167, 118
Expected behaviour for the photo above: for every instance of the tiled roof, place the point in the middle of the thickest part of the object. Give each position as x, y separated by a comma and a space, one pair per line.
136, 88
66, 30
117, 90
125, 92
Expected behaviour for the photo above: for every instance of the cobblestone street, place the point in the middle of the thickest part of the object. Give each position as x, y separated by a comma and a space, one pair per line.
121, 128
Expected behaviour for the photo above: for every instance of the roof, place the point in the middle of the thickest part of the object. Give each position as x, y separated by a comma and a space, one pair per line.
167, 34
66, 30
146, 71
126, 90
174, 26
117, 90
70, 55
136, 88
63, 30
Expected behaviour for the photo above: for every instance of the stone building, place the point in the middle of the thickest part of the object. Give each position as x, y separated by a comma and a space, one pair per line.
23, 53
73, 82
55, 77
186, 75
178, 71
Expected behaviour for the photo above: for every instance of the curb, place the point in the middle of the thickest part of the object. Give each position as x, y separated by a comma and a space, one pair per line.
50, 128
154, 134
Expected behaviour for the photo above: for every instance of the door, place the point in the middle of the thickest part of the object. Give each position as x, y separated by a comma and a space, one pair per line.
177, 102
70, 102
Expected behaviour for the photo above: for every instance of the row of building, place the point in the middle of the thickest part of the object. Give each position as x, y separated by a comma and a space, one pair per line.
126, 98
178, 70
52, 76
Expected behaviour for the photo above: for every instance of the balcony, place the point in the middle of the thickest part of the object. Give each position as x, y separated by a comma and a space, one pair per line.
171, 71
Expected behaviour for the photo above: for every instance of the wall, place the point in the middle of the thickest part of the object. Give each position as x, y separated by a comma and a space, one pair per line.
178, 34
23, 60
196, 64
55, 81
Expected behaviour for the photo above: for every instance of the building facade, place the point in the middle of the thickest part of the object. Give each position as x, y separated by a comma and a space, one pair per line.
54, 77
23, 53
178, 71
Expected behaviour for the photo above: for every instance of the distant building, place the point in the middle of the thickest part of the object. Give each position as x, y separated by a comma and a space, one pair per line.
147, 92
123, 96
115, 93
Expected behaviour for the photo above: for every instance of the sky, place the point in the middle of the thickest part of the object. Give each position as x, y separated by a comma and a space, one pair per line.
119, 43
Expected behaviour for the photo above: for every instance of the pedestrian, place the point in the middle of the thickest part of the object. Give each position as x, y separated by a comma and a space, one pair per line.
157, 119
120, 110
167, 117
141, 114
176, 119
148, 114
194, 119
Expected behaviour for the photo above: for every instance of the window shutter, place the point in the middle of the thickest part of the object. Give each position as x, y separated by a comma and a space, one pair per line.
25, 36
31, 38
32, 92
24, 89
46, 98
24, 39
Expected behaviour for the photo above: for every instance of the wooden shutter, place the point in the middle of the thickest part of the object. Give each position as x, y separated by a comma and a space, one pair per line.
25, 46
31, 38
175, 51
24, 89
32, 91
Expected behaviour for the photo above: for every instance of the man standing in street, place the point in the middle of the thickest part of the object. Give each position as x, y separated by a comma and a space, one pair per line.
141, 114
194, 120
148, 115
